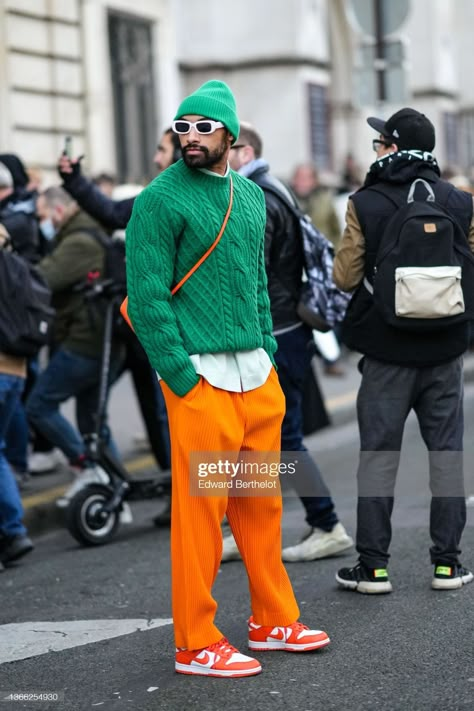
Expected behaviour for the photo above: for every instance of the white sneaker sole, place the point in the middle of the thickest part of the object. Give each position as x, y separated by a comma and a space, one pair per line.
332, 549
451, 583
205, 671
231, 556
365, 587
276, 645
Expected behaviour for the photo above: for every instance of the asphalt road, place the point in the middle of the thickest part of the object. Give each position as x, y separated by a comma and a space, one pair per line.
412, 650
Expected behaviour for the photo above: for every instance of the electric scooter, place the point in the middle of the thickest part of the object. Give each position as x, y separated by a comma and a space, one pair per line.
94, 514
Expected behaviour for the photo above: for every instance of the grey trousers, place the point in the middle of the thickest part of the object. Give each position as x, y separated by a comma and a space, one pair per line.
387, 394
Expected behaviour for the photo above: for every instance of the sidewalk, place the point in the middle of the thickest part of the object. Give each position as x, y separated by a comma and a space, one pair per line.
41, 513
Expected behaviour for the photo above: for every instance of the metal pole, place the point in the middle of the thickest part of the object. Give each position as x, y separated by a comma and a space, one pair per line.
380, 64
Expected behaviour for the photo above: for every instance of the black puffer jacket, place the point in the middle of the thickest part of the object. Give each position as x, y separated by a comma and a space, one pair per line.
283, 252
18, 214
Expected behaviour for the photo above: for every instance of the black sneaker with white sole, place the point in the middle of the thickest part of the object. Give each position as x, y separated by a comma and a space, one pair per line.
450, 577
362, 579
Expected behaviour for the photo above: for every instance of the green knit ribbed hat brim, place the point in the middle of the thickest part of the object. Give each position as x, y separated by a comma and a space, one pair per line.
213, 100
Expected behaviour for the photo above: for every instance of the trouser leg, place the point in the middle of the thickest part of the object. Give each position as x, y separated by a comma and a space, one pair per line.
67, 375
439, 408
256, 520
383, 403
211, 420
150, 401
293, 359
11, 509
204, 420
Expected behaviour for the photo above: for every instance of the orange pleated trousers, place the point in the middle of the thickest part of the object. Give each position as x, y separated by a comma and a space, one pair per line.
208, 419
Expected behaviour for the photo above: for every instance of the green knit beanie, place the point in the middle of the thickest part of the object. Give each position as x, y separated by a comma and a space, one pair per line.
213, 100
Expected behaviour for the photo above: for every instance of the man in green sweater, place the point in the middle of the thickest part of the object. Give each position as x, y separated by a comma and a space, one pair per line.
211, 344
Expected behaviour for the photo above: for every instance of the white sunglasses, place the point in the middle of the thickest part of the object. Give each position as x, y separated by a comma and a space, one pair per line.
204, 126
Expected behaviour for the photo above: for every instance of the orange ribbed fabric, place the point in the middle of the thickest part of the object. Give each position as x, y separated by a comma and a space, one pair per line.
208, 419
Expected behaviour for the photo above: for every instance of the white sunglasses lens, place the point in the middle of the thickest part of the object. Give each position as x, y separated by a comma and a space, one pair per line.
204, 127
182, 126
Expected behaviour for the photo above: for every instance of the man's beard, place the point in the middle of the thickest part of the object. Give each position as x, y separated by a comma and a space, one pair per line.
207, 158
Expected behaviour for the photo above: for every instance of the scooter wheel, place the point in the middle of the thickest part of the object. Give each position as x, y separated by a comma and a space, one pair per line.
85, 519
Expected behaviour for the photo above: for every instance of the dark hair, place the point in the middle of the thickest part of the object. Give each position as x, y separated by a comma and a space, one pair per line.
16, 168
248, 136
176, 144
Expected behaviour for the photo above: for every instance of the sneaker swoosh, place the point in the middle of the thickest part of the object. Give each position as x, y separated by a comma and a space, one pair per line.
279, 635
204, 659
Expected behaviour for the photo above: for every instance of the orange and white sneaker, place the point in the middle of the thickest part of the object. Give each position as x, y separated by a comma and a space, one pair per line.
291, 638
219, 659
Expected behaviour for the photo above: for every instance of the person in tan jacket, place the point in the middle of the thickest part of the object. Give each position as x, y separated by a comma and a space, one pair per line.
403, 369
14, 540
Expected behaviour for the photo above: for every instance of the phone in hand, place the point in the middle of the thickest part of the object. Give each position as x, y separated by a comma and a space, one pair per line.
68, 147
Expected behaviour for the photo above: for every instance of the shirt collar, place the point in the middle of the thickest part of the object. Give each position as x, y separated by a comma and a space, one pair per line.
216, 175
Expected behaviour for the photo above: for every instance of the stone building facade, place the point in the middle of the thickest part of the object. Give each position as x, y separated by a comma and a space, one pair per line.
306, 73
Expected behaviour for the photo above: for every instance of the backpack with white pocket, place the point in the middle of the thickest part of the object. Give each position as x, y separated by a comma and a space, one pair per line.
423, 277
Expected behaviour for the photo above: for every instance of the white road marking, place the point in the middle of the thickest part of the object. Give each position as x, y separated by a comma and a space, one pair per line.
23, 640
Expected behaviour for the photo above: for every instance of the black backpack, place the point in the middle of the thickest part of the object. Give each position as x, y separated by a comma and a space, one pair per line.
26, 315
423, 277
113, 278
321, 305
114, 260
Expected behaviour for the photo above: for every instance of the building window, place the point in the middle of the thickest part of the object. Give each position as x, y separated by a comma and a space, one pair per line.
319, 126
130, 42
451, 132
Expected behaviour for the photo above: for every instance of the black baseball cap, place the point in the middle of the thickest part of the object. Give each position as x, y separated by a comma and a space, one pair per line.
408, 128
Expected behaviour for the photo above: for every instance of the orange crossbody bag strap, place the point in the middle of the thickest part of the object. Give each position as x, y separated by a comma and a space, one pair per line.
124, 305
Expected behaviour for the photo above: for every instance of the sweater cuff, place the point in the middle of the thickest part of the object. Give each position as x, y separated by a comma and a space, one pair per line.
270, 346
183, 381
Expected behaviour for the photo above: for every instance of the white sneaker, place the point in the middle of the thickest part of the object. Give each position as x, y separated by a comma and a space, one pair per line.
42, 462
318, 544
229, 549
470, 501
91, 475
125, 514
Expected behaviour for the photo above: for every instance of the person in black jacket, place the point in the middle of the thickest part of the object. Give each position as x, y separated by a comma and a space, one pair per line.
18, 214
112, 214
18, 208
284, 266
403, 369
115, 214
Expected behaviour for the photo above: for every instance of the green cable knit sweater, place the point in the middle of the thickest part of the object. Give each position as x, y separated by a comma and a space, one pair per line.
224, 305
